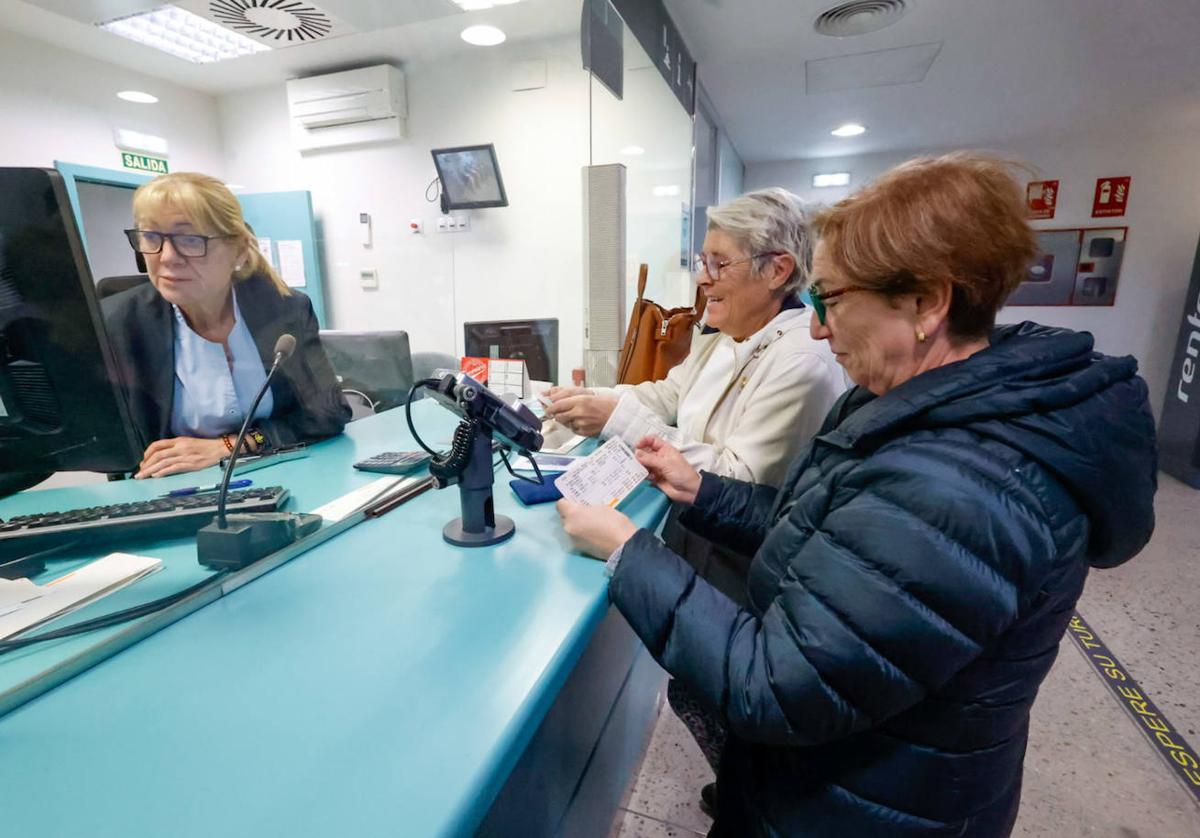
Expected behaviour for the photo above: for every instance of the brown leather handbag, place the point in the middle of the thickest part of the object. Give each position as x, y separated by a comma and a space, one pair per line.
657, 338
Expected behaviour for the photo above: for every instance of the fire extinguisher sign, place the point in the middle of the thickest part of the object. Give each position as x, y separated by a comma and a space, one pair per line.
1112, 194
1041, 197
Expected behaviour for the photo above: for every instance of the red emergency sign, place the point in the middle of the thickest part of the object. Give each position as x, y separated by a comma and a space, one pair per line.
1112, 194
1041, 197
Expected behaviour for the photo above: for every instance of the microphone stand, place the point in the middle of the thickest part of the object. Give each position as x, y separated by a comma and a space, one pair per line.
232, 542
223, 492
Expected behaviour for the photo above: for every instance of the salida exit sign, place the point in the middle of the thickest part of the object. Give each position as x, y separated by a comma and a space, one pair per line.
144, 163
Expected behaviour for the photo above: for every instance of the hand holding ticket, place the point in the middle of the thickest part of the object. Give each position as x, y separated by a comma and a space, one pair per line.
605, 478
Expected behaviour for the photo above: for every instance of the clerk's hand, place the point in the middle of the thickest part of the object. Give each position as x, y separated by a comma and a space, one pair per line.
669, 471
179, 454
584, 414
555, 393
595, 530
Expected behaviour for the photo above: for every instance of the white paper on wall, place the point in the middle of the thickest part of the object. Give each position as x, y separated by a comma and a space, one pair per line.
291, 263
264, 247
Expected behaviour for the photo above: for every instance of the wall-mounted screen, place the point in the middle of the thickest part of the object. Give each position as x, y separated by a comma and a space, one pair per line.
470, 177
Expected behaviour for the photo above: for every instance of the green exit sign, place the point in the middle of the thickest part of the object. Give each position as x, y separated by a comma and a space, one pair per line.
144, 163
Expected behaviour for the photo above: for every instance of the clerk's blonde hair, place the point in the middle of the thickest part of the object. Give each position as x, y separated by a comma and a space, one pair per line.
212, 209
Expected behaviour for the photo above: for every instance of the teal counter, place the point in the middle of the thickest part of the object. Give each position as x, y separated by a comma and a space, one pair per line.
382, 683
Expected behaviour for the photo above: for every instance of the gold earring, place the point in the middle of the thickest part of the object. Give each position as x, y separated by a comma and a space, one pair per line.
920, 335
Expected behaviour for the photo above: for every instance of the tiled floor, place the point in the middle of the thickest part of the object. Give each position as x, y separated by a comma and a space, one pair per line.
1088, 771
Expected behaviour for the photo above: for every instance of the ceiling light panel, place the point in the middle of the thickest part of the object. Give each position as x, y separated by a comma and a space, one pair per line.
831, 179
850, 129
184, 35
882, 68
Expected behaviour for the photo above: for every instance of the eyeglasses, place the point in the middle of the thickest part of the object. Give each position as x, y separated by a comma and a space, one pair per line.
819, 299
190, 245
712, 267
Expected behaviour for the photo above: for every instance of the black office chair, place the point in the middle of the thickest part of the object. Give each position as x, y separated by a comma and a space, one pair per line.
116, 284
374, 368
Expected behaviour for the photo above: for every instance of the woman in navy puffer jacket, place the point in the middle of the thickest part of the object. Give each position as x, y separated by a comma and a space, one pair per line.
913, 576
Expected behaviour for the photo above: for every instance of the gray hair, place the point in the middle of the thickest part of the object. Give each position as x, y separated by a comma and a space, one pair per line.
769, 220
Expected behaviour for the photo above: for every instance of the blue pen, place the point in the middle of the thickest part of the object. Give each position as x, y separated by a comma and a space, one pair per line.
195, 490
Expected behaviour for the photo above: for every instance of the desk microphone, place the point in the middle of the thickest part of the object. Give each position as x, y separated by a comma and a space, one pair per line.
232, 542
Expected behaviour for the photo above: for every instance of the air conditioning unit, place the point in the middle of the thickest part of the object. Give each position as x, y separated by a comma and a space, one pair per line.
348, 108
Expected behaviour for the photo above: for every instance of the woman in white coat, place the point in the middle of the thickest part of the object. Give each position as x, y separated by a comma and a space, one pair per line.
755, 386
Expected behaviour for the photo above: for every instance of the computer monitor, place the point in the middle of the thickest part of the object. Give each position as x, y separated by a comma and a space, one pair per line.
533, 341
470, 177
377, 364
62, 407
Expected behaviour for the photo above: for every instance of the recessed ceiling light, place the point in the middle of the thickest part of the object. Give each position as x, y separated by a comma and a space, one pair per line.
137, 96
483, 36
850, 129
183, 35
633, 150
665, 191
831, 179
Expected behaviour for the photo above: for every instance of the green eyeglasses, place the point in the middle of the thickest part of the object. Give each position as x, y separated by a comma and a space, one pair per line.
819, 299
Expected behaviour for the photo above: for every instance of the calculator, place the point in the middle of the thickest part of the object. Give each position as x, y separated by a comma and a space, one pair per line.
394, 462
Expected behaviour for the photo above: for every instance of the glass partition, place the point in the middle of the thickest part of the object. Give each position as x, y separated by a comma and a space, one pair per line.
650, 133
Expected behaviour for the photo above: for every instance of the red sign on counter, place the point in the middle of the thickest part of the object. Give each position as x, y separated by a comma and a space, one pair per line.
1041, 197
477, 368
1112, 194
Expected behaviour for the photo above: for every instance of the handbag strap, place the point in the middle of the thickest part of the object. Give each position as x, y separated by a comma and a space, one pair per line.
631, 342
700, 302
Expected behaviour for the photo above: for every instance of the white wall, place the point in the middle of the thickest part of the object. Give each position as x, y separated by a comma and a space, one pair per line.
516, 262
59, 105
1163, 219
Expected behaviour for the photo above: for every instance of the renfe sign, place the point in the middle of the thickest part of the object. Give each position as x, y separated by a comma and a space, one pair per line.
1179, 430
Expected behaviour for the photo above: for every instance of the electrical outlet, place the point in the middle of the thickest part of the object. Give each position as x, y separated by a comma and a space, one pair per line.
369, 278
462, 223
443, 224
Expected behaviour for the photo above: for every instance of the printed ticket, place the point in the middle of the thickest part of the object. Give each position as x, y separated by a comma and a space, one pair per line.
605, 478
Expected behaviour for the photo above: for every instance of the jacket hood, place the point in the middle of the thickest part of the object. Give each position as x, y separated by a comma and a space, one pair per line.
1045, 392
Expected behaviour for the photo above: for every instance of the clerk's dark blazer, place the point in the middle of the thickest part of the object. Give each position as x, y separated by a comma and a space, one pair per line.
308, 403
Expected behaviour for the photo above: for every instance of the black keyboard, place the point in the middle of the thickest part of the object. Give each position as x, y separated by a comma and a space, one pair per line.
26, 539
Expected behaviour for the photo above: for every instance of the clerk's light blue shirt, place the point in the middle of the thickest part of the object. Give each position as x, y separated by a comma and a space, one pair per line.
211, 400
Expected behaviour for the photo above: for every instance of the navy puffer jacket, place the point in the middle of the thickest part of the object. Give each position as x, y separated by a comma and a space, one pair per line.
910, 584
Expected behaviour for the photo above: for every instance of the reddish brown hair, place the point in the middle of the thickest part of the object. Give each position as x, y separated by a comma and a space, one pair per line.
958, 218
